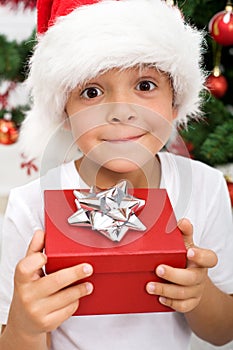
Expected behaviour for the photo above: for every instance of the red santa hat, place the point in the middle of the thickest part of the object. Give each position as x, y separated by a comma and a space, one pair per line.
78, 39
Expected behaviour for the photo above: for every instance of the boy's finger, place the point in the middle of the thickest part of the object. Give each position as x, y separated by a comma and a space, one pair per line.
182, 306
187, 231
202, 257
37, 243
182, 277
56, 318
28, 268
56, 281
173, 291
63, 310
67, 296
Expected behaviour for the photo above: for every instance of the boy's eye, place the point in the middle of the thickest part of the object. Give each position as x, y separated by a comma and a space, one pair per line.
91, 92
145, 85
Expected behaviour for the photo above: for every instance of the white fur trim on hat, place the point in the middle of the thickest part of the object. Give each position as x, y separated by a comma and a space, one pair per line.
98, 37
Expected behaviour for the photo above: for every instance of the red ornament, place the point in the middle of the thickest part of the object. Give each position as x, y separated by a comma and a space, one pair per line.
8, 132
217, 83
221, 27
230, 189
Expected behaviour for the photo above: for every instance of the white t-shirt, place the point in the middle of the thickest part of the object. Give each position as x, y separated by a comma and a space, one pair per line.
196, 191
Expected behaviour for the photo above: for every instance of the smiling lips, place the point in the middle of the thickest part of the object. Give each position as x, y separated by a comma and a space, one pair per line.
125, 139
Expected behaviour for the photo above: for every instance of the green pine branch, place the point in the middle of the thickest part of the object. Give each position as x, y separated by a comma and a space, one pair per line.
211, 136
14, 58
218, 147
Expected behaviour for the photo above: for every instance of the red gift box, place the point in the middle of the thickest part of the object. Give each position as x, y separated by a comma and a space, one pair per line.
121, 269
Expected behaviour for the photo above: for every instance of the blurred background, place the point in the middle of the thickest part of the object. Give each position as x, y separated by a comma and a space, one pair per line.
208, 139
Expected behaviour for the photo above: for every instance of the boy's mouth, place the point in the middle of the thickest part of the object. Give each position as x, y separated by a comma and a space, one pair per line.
125, 139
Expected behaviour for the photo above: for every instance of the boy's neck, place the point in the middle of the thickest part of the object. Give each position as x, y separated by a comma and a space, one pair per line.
146, 177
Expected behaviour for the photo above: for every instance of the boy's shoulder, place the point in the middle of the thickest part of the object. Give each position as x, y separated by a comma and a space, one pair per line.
188, 177
188, 166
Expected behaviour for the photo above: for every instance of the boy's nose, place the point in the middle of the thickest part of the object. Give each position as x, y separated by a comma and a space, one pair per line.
121, 113
121, 119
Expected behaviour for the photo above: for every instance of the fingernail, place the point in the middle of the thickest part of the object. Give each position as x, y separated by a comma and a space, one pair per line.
150, 287
87, 269
89, 287
160, 271
190, 253
162, 300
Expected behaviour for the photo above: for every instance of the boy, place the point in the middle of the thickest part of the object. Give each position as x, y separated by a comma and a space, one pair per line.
117, 74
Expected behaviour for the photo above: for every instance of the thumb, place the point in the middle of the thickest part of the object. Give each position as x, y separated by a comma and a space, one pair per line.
187, 231
30, 267
37, 243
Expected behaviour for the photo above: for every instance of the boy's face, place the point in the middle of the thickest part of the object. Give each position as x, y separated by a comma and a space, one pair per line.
122, 118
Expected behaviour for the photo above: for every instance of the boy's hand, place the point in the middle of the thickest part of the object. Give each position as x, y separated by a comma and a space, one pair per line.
186, 289
41, 303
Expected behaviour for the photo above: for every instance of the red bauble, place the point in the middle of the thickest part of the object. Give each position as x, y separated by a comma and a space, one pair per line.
217, 85
221, 27
8, 132
230, 189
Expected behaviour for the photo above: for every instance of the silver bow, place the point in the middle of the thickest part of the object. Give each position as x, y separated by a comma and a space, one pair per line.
111, 212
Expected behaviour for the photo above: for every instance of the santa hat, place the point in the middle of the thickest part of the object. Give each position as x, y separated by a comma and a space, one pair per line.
78, 39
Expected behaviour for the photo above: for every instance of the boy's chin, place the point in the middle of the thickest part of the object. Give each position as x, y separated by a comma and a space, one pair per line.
121, 166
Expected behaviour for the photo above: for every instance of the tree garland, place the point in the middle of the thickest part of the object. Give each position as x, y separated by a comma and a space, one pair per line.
14, 4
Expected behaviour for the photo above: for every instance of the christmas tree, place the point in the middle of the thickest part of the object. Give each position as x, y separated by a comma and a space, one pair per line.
209, 139
14, 57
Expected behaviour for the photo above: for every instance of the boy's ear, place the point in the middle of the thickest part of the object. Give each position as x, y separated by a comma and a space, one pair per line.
66, 123
174, 112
